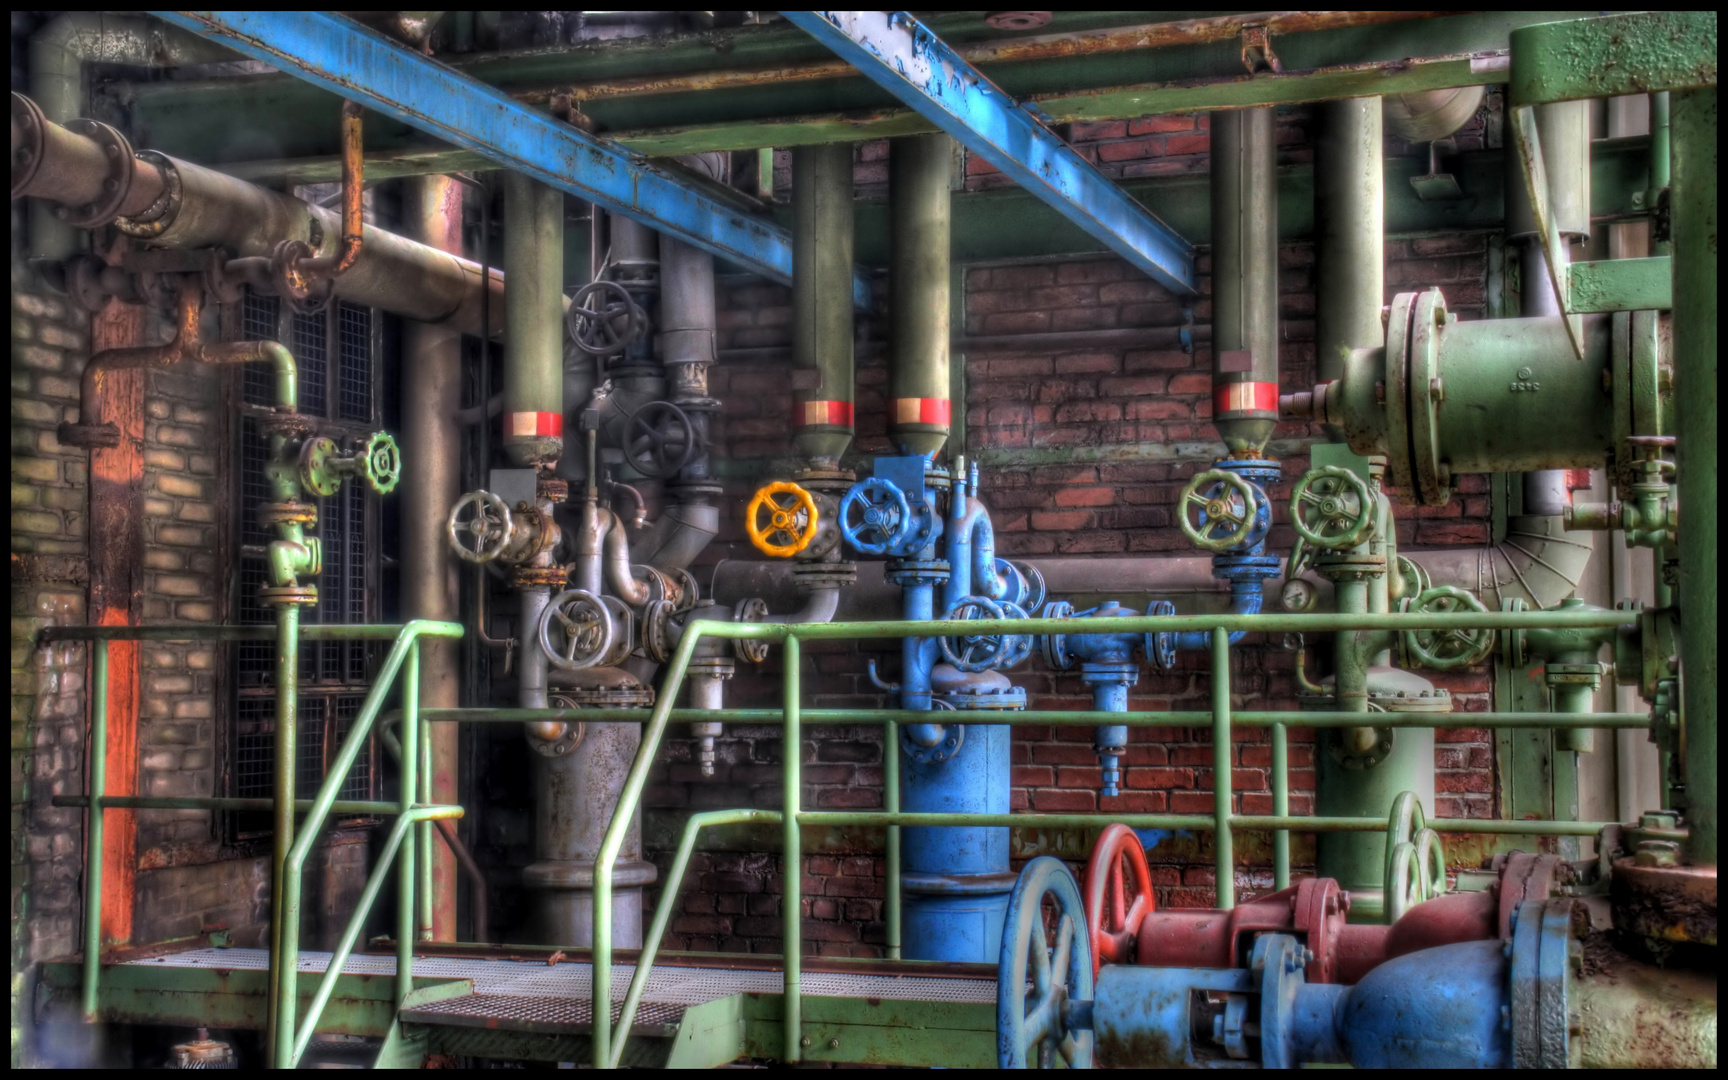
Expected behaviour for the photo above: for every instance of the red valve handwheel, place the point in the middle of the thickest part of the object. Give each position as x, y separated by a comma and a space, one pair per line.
1113, 913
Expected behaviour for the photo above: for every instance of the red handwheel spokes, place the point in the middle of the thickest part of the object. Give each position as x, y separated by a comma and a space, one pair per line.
1113, 908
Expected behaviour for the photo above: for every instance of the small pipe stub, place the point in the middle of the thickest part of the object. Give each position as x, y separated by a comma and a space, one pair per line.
114, 188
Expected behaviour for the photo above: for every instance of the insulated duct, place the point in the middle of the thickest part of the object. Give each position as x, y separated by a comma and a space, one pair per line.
822, 302
1349, 234
1244, 279
175, 204
533, 319
919, 173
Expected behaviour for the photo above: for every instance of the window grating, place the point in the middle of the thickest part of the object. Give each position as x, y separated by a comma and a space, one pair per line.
354, 351
259, 317
336, 392
311, 348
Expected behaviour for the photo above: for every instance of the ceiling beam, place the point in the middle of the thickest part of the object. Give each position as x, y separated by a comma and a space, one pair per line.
341, 56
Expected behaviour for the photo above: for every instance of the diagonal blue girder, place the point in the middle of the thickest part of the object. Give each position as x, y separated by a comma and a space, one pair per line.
356, 63
894, 50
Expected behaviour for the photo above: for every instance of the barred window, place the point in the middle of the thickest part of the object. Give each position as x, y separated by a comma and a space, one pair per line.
336, 352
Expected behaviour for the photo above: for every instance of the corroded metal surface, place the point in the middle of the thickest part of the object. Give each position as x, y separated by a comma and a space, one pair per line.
1675, 904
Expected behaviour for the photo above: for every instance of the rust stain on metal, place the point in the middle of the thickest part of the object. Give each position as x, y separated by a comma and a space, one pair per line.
1673, 904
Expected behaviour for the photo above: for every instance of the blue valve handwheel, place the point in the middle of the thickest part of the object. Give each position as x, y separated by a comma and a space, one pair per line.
875, 517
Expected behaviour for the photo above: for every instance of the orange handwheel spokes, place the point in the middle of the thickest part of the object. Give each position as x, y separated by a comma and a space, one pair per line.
1118, 895
781, 519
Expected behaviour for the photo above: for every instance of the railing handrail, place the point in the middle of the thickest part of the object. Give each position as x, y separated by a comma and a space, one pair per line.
1219, 625
222, 632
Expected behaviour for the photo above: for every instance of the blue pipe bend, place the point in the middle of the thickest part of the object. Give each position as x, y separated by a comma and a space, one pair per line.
1246, 598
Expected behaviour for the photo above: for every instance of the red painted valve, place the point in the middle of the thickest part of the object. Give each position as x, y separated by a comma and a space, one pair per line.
1113, 913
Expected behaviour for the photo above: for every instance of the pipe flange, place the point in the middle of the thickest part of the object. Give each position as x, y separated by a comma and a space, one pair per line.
1055, 646
751, 610
917, 572
121, 164
938, 477
84, 285
304, 292
1357, 760
289, 425
720, 667
1345, 566
688, 592
1396, 403
835, 482
551, 488
28, 121
657, 630
570, 736
953, 738
155, 219
1424, 701
273, 515
285, 595
1574, 675
538, 577
814, 577
998, 698
1433, 479
603, 697
1545, 952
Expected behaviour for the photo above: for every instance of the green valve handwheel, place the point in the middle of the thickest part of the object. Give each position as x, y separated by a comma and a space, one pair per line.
380, 462
1226, 510
1447, 650
1332, 508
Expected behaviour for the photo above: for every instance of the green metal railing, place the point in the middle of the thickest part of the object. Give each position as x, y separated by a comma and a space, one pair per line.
608, 1051
287, 1042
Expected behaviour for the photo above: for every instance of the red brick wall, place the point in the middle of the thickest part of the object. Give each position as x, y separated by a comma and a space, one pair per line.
1084, 396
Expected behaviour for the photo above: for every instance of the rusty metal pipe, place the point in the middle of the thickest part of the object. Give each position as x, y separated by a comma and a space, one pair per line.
478, 907
90, 431
1043, 47
353, 198
176, 204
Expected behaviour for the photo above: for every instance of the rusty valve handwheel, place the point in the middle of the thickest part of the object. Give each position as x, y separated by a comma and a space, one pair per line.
576, 630
1447, 650
1332, 508
781, 519
479, 527
1113, 909
1226, 510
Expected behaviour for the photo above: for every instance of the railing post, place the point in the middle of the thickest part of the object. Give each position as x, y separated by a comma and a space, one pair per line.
792, 907
96, 758
1223, 841
284, 908
405, 876
891, 803
1280, 805
424, 791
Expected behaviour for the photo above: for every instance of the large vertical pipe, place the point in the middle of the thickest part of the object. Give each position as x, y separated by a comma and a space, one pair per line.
919, 173
1244, 280
431, 443
1564, 130
533, 321
822, 301
1692, 204
1349, 234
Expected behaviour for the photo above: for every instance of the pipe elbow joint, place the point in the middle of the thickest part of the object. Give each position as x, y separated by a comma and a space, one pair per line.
289, 559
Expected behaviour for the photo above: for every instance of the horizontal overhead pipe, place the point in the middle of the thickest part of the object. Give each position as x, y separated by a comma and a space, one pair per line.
176, 204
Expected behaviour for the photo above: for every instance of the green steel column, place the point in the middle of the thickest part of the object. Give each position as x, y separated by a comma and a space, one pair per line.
792, 860
822, 301
282, 906
533, 321
1280, 805
920, 169
405, 869
97, 756
891, 803
1222, 793
1693, 207
1245, 279
1349, 233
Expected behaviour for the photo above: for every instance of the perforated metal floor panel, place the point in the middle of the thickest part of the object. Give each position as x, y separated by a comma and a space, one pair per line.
533, 994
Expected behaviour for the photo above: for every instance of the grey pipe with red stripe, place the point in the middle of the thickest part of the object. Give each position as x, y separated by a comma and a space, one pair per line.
1244, 279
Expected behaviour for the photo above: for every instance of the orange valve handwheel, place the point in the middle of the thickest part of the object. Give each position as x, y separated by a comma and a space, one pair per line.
1113, 912
782, 519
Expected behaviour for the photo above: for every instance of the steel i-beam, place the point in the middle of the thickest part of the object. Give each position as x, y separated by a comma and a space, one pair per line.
345, 58
898, 53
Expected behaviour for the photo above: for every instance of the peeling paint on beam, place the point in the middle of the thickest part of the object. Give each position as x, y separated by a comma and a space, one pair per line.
343, 57
899, 54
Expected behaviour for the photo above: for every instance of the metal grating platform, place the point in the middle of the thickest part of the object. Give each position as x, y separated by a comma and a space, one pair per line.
530, 995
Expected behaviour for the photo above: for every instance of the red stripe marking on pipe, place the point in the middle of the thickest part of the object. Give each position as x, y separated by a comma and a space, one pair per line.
1244, 397
524, 425
913, 410
808, 413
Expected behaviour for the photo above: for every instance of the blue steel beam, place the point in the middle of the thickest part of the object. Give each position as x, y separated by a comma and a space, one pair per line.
348, 59
894, 50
